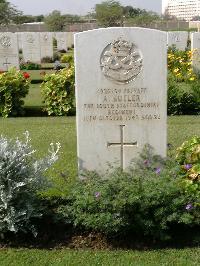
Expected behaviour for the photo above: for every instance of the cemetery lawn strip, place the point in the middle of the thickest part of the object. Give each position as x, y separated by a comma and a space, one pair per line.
37, 74
181, 128
34, 98
44, 130
189, 256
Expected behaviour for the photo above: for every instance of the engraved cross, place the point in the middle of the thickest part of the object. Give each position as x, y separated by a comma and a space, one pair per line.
6, 63
122, 144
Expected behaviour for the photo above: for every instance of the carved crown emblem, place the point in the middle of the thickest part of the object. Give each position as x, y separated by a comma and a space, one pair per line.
121, 61
30, 38
5, 41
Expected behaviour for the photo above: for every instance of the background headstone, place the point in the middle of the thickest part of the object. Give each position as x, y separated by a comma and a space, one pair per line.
70, 39
61, 38
46, 44
9, 52
177, 38
31, 47
121, 97
195, 47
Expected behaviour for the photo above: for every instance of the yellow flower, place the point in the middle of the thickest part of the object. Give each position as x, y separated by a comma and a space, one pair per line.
176, 70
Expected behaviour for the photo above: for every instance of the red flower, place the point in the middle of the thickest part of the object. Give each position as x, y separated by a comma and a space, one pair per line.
26, 75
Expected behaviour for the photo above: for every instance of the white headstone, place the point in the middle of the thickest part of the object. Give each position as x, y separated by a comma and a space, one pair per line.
31, 47
121, 97
9, 52
61, 38
178, 39
46, 44
195, 47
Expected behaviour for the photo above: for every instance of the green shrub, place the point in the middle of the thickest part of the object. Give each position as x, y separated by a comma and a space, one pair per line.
56, 56
179, 65
147, 200
188, 155
183, 99
58, 92
62, 51
67, 59
47, 59
14, 86
21, 179
54, 42
29, 66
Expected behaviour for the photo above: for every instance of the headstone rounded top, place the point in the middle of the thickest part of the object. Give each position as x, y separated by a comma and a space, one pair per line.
121, 61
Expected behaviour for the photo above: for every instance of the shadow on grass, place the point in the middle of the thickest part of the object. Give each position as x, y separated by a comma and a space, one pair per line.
34, 111
38, 111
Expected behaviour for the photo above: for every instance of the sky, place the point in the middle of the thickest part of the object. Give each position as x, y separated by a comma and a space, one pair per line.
79, 7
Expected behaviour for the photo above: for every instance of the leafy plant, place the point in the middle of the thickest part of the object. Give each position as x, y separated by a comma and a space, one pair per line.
47, 59
56, 56
188, 155
14, 85
58, 92
67, 59
147, 200
183, 98
21, 178
29, 66
179, 65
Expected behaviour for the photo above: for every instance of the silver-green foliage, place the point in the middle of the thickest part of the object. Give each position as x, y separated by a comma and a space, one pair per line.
21, 177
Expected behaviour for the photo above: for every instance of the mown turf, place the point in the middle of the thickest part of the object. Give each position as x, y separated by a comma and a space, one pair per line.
39, 74
44, 130
34, 97
171, 257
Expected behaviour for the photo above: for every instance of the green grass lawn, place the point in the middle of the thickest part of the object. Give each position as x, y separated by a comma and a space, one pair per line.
171, 257
38, 74
34, 97
44, 130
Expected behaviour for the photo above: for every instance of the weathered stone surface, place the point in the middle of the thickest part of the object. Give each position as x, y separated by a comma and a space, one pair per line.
61, 38
31, 47
46, 44
9, 54
121, 95
178, 38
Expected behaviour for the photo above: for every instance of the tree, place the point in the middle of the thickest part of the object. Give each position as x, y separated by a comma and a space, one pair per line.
144, 19
71, 18
8, 12
130, 12
55, 21
109, 13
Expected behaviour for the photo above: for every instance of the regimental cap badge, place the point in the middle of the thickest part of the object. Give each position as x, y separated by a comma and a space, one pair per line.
30, 38
5, 41
121, 61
